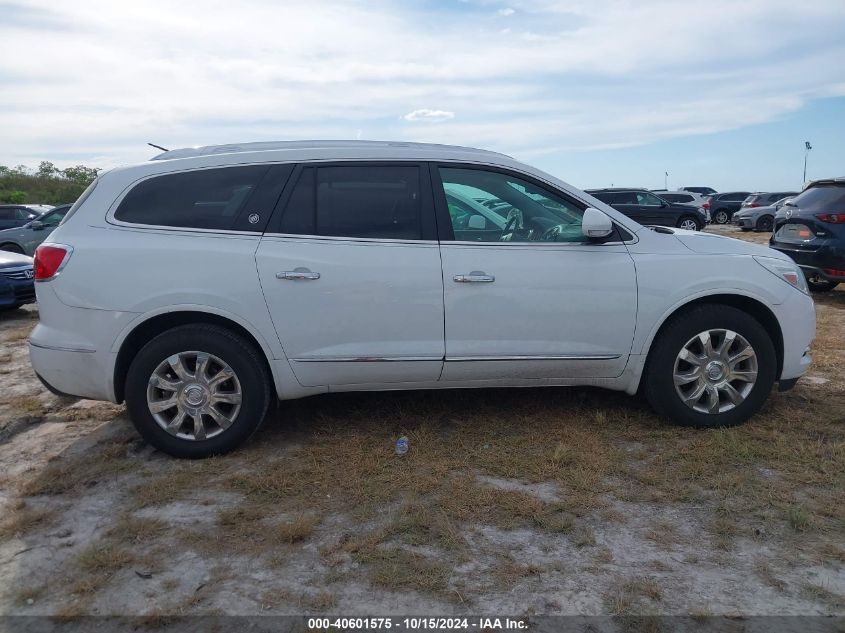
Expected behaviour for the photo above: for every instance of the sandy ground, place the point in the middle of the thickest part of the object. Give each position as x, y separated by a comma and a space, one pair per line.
555, 501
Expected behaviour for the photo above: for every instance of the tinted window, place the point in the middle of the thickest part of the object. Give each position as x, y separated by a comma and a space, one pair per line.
487, 206
203, 199
53, 218
606, 197
7, 214
626, 197
378, 201
824, 198
676, 197
734, 197
648, 199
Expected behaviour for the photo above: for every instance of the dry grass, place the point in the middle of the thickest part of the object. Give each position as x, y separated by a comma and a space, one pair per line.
21, 518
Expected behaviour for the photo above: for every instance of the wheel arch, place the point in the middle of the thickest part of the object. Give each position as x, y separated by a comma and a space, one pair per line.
144, 331
756, 308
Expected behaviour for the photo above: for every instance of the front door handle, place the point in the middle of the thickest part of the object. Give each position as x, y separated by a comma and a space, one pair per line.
475, 277
297, 274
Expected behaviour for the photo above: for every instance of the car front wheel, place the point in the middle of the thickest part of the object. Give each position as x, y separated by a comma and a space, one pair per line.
689, 223
197, 390
765, 223
721, 217
711, 366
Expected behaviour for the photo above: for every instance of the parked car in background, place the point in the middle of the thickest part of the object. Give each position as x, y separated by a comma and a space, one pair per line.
226, 277
26, 238
13, 215
764, 199
703, 191
810, 228
650, 209
17, 286
722, 206
758, 218
686, 197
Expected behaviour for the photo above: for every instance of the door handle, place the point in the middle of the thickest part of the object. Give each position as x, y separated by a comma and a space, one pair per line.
475, 277
297, 274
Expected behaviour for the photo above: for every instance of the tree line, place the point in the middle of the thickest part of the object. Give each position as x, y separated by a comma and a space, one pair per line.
46, 185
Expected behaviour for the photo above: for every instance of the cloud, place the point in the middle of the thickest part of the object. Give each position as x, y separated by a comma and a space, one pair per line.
572, 74
424, 114
507, 11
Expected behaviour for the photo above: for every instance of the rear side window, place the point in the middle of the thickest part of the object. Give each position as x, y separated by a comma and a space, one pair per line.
7, 214
378, 201
823, 198
203, 199
607, 198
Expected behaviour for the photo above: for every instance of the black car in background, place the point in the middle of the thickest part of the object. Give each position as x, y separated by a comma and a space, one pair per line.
17, 285
648, 208
810, 228
722, 206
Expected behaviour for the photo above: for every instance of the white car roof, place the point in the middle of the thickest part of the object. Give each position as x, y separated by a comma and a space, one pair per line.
384, 149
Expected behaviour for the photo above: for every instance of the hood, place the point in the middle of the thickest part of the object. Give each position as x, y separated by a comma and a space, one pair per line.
13, 259
712, 244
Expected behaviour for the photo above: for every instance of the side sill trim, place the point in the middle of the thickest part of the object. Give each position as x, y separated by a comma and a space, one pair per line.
464, 359
58, 348
448, 359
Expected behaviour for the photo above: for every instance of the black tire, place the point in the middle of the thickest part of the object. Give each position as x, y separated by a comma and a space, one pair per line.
816, 284
659, 371
721, 216
765, 223
696, 221
11, 248
243, 358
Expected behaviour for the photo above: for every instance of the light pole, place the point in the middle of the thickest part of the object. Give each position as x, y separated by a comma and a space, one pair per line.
666, 180
807, 148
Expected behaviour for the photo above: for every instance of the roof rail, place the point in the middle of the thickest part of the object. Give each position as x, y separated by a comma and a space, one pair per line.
300, 145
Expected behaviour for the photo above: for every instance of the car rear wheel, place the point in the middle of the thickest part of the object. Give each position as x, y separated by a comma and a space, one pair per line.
11, 248
765, 223
689, 223
721, 217
711, 366
197, 390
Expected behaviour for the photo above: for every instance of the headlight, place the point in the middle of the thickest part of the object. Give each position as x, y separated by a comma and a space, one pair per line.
788, 271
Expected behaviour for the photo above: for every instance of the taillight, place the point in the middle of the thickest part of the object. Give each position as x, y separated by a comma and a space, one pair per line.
706, 205
50, 259
833, 272
832, 218
753, 204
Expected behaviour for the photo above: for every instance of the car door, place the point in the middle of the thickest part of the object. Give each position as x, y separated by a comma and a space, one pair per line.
653, 209
350, 268
627, 203
538, 300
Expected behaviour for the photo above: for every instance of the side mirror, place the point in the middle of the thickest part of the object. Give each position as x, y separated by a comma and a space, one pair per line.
477, 222
595, 224
36, 225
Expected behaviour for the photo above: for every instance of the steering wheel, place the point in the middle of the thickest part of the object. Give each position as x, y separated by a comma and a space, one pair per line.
510, 226
550, 234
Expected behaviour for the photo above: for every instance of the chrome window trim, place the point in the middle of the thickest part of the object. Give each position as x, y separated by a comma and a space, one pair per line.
335, 238
368, 359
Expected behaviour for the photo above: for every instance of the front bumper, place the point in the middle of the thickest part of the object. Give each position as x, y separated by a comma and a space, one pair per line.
16, 292
797, 318
742, 222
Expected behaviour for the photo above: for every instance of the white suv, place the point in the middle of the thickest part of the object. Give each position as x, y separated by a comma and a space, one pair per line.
201, 284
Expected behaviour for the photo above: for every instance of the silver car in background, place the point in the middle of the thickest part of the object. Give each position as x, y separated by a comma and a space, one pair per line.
25, 239
758, 218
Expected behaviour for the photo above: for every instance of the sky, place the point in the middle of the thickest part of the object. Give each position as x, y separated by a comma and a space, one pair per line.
719, 93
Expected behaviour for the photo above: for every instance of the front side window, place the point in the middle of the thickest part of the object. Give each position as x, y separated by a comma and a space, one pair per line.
372, 201
53, 219
202, 199
487, 206
26, 214
648, 199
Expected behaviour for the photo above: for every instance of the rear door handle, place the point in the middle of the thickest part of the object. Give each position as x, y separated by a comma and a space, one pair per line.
475, 277
297, 274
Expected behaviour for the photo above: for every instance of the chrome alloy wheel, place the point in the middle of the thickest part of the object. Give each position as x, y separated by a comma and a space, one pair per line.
689, 225
194, 395
715, 371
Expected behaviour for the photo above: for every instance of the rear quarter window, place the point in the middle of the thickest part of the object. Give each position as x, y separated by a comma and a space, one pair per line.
824, 198
203, 199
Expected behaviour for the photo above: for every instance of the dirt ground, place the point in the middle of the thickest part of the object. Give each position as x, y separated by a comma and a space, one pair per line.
528, 501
